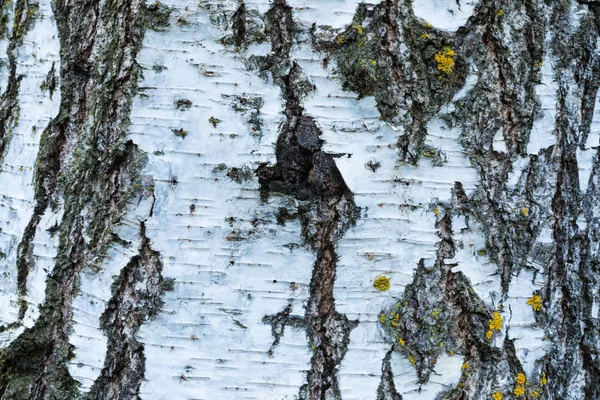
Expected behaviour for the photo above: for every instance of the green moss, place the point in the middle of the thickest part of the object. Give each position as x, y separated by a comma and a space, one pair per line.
219, 168
183, 104
251, 108
240, 175
436, 156
157, 16
168, 284
214, 121
182, 133
356, 56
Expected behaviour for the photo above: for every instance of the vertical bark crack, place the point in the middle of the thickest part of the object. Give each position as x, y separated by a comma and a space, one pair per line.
136, 297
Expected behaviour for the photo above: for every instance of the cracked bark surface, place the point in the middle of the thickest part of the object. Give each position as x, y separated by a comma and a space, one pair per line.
129, 307
459, 162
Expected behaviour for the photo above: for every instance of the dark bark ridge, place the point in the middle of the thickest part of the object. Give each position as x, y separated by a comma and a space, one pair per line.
126, 311
307, 173
387, 387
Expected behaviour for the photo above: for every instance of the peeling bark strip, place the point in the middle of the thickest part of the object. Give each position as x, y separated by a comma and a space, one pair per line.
85, 166
127, 310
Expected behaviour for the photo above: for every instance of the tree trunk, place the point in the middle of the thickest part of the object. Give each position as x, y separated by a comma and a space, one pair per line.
292, 199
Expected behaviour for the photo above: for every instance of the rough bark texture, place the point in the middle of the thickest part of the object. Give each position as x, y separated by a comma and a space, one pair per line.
299, 199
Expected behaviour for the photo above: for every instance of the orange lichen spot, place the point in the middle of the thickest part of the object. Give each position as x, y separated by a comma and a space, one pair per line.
382, 283
445, 60
535, 302
497, 396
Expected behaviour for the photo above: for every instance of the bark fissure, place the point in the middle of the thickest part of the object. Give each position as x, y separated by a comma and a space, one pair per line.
307, 173
129, 307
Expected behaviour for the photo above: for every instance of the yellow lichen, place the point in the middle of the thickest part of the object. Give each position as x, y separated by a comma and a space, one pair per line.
424, 36
525, 211
340, 39
382, 283
359, 28
500, 13
412, 360
489, 334
497, 396
464, 366
382, 318
395, 320
519, 390
426, 24
445, 60
401, 341
436, 211
535, 394
543, 380
521, 378
496, 321
535, 302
